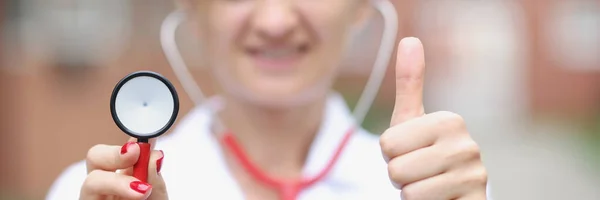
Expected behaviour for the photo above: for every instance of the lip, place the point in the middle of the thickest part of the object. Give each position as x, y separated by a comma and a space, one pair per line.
279, 64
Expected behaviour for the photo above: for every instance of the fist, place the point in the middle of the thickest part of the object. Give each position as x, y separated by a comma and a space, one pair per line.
429, 156
110, 170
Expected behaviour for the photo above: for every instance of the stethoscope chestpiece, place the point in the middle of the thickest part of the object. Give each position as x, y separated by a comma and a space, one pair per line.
144, 105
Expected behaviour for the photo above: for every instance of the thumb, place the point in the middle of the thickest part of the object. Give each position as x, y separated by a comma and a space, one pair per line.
159, 189
145, 158
410, 75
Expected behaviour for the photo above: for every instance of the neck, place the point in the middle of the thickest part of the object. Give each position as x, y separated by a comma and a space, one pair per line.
277, 140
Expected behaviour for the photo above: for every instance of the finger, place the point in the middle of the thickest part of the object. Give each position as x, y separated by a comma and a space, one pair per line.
410, 73
438, 187
475, 196
128, 171
421, 132
409, 136
111, 158
102, 183
156, 160
151, 141
472, 182
132, 139
154, 176
417, 165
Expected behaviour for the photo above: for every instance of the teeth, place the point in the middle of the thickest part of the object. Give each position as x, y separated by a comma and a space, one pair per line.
278, 53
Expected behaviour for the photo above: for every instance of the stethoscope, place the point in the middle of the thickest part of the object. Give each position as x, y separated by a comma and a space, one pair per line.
145, 104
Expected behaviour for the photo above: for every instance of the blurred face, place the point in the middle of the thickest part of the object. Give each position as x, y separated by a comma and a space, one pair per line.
275, 52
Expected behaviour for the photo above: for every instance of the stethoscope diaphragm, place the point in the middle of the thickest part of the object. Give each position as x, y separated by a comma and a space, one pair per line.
144, 105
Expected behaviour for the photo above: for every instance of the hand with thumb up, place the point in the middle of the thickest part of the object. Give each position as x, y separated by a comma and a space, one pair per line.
429, 156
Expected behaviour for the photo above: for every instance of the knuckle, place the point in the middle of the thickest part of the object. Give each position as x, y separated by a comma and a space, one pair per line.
468, 151
450, 115
482, 176
396, 173
95, 174
91, 183
158, 186
478, 176
451, 120
386, 144
92, 153
410, 193
472, 150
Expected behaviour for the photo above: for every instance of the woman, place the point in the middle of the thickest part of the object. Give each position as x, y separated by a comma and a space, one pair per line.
274, 63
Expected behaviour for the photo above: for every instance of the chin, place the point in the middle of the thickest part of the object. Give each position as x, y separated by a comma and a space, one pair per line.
275, 92
278, 97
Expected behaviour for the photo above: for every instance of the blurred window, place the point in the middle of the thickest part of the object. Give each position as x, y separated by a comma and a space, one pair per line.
10, 9
9, 15
479, 67
572, 32
75, 32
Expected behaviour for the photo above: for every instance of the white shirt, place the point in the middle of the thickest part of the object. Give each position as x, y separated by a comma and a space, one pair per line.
194, 166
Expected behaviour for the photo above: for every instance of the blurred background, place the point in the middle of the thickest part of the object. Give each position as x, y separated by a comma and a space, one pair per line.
525, 74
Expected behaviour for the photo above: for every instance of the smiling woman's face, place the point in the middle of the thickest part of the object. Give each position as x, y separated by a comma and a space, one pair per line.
276, 52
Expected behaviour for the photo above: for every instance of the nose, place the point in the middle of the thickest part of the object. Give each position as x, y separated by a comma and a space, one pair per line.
275, 19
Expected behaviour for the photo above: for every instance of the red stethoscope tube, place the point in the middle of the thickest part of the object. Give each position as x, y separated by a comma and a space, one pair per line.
140, 169
288, 190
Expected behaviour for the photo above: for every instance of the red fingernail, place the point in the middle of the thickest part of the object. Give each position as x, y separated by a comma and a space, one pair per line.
140, 187
159, 162
125, 147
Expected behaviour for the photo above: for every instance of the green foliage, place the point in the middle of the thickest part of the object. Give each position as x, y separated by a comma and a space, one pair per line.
378, 118
594, 141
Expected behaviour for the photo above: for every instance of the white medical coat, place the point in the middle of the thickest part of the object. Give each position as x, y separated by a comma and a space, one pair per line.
194, 166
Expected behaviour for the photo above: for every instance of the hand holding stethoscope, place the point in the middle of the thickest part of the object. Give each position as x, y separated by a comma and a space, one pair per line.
144, 105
